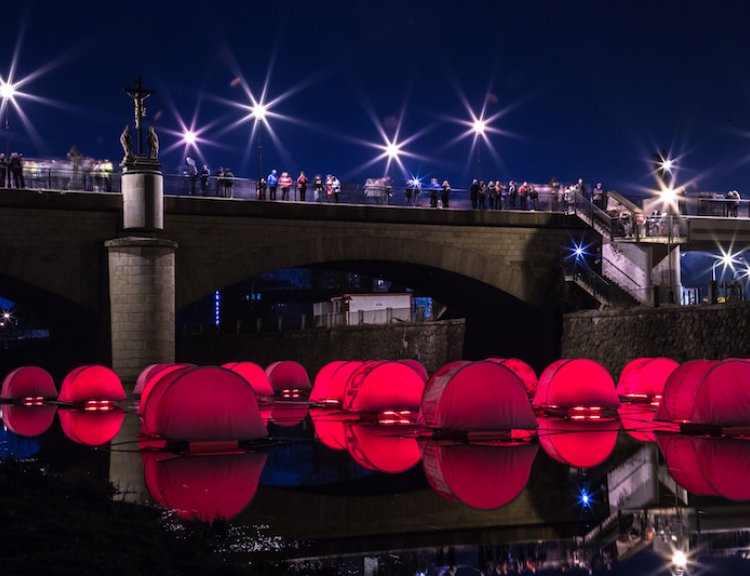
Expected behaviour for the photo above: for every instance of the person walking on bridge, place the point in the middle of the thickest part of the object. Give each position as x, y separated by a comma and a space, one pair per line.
446, 194
302, 186
273, 181
285, 182
16, 170
3, 171
474, 193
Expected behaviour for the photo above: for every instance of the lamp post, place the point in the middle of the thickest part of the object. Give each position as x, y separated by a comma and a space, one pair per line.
478, 126
7, 93
259, 113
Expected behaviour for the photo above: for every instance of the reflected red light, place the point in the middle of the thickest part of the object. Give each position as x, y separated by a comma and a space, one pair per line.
29, 419
92, 428
709, 393
708, 466
480, 476
579, 443
329, 427
289, 414
382, 449
208, 487
393, 418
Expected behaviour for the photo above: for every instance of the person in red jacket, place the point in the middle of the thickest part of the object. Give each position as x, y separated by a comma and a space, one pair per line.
285, 183
302, 185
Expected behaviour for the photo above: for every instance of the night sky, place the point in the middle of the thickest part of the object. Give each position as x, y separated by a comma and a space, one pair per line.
572, 89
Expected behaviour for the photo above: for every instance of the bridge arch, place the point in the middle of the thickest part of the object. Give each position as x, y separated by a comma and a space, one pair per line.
518, 277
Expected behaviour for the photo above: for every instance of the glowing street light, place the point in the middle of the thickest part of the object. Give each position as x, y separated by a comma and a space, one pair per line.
259, 112
392, 150
726, 260
479, 127
7, 94
189, 137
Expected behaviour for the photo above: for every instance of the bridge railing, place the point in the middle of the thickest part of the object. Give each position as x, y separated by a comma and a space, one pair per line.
238, 188
622, 222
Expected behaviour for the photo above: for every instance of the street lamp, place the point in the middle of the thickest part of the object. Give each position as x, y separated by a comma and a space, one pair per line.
259, 113
478, 126
7, 94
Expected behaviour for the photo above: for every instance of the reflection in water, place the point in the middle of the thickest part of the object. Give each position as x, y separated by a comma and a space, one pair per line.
708, 392
638, 421
708, 466
477, 477
579, 443
91, 427
480, 476
381, 448
330, 427
288, 414
14, 446
208, 487
29, 421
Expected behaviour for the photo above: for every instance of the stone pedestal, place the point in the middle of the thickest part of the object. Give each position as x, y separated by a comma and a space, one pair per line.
142, 303
142, 195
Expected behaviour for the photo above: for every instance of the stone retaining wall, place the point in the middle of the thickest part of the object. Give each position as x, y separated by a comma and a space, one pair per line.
614, 337
433, 344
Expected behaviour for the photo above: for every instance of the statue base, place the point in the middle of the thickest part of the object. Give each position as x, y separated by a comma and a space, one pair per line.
142, 195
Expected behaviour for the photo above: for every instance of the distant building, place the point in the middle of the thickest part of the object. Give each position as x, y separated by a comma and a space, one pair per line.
356, 309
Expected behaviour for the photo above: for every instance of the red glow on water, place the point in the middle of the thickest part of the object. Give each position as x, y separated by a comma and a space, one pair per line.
33, 401
393, 418
98, 406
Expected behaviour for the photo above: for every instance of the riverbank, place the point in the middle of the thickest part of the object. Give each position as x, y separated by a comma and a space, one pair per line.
50, 526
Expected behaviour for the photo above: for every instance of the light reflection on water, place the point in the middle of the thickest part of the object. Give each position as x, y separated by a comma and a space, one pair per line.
332, 484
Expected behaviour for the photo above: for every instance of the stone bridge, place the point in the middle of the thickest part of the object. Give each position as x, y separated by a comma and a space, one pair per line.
73, 245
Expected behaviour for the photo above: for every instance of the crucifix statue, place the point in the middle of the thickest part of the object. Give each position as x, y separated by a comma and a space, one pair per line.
139, 94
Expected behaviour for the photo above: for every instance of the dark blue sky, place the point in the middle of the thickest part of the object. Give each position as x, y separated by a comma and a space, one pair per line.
582, 88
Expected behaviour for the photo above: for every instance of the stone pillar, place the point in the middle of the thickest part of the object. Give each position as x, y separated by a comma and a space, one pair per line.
142, 195
142, 303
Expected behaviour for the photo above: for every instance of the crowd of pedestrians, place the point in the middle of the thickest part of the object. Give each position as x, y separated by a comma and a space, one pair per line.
11, 171
323, 190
